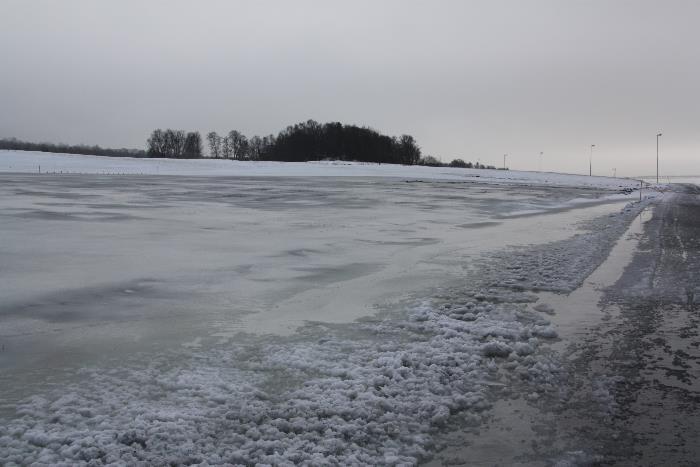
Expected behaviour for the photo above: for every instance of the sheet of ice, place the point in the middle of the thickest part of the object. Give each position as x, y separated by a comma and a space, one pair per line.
129, 268
30, 161
337, 396
88, 261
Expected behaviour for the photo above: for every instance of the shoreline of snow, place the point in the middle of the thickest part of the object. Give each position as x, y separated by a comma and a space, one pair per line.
30, 161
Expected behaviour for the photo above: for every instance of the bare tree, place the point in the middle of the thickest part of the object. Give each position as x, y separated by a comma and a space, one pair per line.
174, 143
409, 152
178, 143
255, 149
226, 147
156, 144
239, 144
193, 145
214, 141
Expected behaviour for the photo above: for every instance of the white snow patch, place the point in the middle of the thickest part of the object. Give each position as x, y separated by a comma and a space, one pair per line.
29, 162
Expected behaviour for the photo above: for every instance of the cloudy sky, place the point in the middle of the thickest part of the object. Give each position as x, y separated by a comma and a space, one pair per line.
469, 79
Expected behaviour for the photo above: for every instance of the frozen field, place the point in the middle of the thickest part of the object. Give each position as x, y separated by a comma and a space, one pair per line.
32, 162
260, 318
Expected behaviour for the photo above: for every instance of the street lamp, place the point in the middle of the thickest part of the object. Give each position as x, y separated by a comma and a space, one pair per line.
504, 161
657, 157
590, 162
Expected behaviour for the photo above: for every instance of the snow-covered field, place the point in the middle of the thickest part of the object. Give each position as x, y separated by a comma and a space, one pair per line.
279, 320
30, 162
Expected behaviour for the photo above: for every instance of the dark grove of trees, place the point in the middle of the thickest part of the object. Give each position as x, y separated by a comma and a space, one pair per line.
174, 144
311, 141
469, 165
19, 145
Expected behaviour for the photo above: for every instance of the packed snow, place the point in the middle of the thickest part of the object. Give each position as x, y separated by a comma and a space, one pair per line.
32, 162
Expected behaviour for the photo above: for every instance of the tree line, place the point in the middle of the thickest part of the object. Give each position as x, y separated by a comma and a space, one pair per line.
310, 141
19, 145
434, 162
235, 145
305, 141
176, 144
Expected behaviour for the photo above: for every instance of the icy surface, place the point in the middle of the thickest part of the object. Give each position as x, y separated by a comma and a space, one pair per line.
166, 273
29, 162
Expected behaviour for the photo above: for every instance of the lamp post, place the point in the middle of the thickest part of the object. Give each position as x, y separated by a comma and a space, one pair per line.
657, 157
504, 161
590, 162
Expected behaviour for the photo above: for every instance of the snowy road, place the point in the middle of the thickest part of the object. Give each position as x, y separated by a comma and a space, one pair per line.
627, 388
642, 363
281, 320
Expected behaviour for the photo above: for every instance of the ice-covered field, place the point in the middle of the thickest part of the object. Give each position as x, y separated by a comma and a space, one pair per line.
280, 320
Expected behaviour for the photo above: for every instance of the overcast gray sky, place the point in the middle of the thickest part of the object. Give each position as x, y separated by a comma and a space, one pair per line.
469, 79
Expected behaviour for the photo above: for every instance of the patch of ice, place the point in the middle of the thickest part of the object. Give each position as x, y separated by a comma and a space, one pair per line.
367, 393
544, 308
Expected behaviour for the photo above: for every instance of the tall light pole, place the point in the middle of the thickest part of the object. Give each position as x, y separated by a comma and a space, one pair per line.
504, 161
657, 157
590, 162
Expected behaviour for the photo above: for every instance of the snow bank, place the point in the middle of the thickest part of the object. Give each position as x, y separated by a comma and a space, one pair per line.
29, 162
560, 266
375, 400
373, 392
